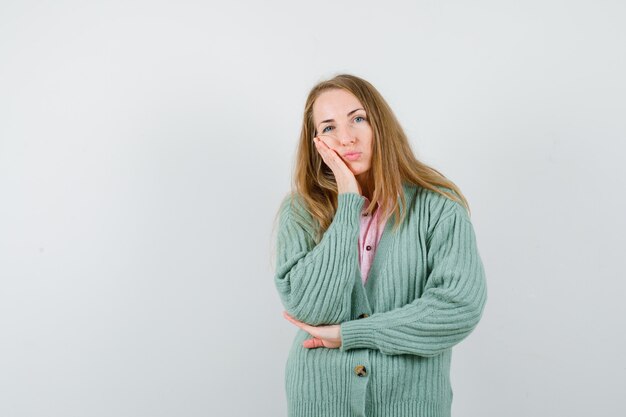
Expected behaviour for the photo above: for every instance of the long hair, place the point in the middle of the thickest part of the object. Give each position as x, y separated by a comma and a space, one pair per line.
392, 163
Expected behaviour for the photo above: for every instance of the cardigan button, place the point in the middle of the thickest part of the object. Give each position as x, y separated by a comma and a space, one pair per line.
362, 316
360, 370
368, 247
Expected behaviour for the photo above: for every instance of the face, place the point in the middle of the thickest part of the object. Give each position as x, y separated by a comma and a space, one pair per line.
341, 122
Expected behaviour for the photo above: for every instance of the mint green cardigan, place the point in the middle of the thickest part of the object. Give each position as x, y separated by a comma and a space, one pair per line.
425, 292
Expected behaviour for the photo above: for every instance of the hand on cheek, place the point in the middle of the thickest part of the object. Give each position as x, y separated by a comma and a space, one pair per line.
346, 181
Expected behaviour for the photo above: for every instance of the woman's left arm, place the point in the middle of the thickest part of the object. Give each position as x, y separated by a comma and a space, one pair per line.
448, 310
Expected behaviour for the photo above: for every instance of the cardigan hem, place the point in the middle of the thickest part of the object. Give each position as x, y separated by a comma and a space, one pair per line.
406, 408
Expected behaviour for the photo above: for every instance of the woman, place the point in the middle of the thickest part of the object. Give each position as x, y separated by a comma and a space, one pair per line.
377, 264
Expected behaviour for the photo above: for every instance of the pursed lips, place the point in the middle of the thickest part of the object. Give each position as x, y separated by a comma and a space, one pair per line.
352, 156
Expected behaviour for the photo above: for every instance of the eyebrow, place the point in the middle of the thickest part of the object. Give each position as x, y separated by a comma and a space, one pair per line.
332, 120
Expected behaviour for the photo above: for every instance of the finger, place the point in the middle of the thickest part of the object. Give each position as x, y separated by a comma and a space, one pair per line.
331, 157
291, 319
332, 154
324, 152
323, 144
298, 323
313, 343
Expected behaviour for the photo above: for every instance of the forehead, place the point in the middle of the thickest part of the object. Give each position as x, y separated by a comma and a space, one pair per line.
334, 103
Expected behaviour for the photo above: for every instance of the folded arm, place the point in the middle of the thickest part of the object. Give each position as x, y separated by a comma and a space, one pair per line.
315, 281
450, 306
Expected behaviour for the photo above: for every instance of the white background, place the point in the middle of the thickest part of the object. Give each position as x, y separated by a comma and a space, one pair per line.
145, 147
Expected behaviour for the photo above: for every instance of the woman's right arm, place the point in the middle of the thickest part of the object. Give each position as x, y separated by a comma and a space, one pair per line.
315, 282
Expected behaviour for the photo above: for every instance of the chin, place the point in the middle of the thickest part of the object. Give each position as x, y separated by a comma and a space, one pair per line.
356, 171
359, 171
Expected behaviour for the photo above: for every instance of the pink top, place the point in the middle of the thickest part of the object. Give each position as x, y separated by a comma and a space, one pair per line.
369, 238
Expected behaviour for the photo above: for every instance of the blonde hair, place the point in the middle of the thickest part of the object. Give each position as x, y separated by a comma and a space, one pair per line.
393, 162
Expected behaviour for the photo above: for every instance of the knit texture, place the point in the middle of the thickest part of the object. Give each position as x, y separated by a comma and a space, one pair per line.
426, 291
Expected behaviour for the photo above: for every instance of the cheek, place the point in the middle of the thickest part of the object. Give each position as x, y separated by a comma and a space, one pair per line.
370, 150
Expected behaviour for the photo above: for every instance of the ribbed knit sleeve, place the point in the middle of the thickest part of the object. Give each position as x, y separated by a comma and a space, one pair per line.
315, 281
447, 311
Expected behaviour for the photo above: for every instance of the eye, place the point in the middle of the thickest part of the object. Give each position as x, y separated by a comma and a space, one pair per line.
360, 117
324, 130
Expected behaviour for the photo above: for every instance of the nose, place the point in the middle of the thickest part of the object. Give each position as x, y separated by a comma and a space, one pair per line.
345, 135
